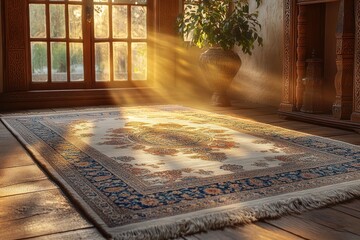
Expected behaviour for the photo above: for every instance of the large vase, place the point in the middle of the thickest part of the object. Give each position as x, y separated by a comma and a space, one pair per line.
219, 68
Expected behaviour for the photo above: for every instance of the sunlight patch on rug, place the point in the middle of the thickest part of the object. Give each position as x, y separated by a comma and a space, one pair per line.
166, 171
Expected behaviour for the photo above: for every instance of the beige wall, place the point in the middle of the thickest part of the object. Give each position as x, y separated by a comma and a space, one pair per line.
260, 76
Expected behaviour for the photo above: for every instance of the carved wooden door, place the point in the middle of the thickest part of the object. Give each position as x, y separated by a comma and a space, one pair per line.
88, 43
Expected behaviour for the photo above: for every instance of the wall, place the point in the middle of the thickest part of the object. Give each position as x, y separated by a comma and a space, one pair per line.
260, 76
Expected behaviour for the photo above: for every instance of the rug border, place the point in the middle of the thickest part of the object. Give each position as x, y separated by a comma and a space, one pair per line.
241, 213
220, 217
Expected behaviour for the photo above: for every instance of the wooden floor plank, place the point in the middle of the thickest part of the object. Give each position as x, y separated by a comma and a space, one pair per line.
293, 125
62, 110
192, 237
259, 231
325, 131
348, 211
83, 234
269, 119
352, 208
38, 214
14, 156
262, 231
237, 110
27, 187
11, 152
17, 175
353, 205
215, 235
333, 219
310, 230
248, 113
353, 138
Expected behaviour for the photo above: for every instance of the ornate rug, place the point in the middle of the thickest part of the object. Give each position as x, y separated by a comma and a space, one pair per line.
160, 172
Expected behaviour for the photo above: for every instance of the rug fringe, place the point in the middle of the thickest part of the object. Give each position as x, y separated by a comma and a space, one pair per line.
241, 216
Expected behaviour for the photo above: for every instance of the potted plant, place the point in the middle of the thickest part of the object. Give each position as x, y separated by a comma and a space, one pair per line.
219, 25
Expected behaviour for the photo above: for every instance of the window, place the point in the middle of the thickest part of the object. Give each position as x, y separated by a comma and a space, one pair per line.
79, 43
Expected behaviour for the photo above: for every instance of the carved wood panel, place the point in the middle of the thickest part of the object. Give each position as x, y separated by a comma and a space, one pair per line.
357, 58
15, 45
15, 15
16, 70
356, 114
345, 45
345, 39
288, 55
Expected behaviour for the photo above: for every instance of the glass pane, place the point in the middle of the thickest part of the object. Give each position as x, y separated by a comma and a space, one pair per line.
39, 68
57, 21
37, 20
120, 61
75, 0
138, 22
76, 62
75, 21
102, 61
130, 1
101, 21
120, 22
100, 0
139, 61
58, 62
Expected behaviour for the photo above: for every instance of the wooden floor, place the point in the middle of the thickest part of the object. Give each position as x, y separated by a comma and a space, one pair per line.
33, 207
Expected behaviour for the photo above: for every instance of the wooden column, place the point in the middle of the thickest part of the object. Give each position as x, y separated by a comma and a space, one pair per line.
301, 55
345, 40
355, 117
287, 100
